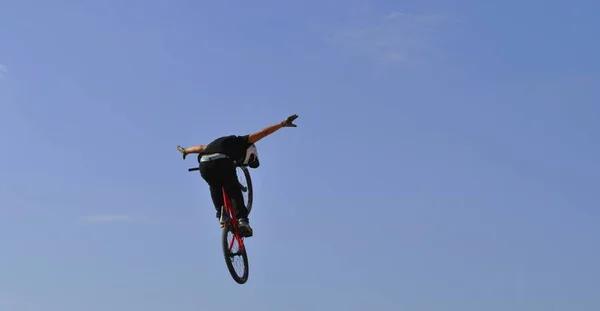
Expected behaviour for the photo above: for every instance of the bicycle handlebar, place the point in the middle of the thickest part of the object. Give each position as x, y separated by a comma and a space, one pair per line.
198, 168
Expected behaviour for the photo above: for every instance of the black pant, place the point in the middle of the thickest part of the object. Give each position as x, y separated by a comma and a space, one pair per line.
220, 173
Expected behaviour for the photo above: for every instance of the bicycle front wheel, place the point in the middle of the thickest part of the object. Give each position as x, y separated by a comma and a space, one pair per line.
246, 185
236, 258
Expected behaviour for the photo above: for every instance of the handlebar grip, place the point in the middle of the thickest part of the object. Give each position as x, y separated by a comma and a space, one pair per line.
193, 169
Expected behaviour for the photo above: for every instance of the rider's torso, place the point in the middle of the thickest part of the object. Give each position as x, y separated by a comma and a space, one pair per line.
232, 146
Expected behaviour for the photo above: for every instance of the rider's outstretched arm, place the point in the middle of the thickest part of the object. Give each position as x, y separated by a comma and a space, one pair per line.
194, 149
254, 137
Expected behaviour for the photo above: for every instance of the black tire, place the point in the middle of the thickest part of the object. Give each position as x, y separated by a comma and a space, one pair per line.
240, 279
248, 194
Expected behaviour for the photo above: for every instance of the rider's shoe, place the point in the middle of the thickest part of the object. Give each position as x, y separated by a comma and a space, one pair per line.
245, 228
223, 217
182, 150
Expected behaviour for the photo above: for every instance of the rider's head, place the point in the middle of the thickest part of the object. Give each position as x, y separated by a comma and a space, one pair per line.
251, 158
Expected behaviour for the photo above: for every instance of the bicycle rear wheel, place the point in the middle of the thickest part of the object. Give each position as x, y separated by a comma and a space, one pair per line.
237, 268
246, 183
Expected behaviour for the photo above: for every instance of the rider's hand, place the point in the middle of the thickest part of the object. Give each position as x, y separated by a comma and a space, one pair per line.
289, 122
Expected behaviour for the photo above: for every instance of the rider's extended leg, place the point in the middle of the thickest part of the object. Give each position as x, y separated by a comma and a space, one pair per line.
237, 199
211, 175
216, 193
232, 186
221, 174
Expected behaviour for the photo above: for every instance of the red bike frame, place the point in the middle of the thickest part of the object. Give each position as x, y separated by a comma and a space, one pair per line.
234, 223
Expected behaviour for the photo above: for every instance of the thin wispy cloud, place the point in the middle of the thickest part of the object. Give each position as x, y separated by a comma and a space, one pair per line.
396, 36
107, 218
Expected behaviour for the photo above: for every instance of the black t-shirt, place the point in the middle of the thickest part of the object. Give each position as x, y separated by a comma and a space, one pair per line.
233, 146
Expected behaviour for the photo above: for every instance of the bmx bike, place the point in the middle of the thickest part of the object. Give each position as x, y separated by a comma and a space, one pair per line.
231, 237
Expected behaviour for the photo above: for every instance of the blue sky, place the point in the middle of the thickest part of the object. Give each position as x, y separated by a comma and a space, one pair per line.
446, 155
